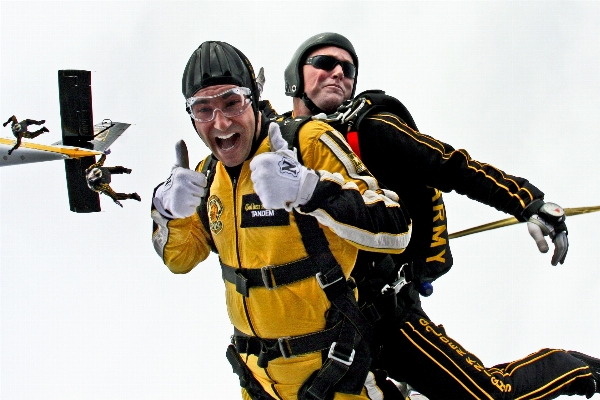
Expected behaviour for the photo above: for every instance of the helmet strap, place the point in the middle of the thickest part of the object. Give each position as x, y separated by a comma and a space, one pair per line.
312, 107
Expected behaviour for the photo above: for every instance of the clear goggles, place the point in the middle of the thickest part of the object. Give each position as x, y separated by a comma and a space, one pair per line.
232, 102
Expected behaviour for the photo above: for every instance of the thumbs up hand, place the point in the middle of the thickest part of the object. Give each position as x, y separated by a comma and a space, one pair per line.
280, 181
180, 194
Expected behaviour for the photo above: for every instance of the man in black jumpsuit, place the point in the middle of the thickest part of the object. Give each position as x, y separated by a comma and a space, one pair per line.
321, 75
19, 130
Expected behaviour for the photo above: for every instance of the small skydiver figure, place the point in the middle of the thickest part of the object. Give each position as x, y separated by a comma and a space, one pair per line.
19, 130
98, 179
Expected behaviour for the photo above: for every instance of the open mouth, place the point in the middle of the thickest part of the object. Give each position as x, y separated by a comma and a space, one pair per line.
227, 142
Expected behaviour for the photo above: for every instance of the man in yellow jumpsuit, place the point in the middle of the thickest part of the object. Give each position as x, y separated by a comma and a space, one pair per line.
287, 234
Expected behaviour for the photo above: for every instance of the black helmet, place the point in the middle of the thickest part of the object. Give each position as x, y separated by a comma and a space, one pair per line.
218, 63
294, 84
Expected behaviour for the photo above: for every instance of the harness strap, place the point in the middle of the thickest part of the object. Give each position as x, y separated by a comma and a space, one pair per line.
332, 280
270, 276
337, 364
208, 169
247, 381
355, 330
383, 304
340, 342
286, 347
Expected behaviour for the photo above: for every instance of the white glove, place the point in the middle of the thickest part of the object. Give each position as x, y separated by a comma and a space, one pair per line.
280, 181
550, 221
180, 195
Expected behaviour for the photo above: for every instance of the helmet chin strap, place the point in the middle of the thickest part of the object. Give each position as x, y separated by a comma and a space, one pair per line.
312, 107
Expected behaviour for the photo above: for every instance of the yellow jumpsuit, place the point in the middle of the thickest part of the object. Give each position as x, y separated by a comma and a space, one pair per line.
248, 236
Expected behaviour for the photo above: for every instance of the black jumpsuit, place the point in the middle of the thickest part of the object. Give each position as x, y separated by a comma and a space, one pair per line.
19, 130
413, 348
101, 183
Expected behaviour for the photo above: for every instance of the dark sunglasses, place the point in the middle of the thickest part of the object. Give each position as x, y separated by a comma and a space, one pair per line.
328, 63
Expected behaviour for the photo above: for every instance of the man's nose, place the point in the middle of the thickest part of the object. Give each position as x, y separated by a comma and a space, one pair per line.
337, 71
221, 122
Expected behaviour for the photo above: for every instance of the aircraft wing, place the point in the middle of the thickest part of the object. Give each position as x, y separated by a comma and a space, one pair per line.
29, 153
105, 133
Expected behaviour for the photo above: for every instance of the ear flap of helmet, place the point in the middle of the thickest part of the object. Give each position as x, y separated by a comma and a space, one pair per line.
294, 84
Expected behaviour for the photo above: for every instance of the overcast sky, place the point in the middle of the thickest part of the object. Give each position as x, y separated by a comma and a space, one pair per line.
89, 311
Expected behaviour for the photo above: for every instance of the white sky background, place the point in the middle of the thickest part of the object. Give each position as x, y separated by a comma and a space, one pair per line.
89, 311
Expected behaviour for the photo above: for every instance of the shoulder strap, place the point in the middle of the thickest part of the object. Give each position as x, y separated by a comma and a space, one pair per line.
208, 169
289, 129
378, 101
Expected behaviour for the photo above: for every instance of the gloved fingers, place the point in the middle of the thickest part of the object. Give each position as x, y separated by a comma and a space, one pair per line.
308, 183
561, 246
536, 233
189, 207
270, 165
181, 155
266, 196
181, 194
187, 177
276, 179
159, 206
276, 141
183, 208
196, 196
196, 179
262, 164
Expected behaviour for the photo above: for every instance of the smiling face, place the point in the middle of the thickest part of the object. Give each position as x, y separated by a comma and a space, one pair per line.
229, 139
328, 89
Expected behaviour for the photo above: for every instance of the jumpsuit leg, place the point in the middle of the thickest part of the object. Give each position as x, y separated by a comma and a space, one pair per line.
421, 354
34, 122
119, 170
107, 190
125, 196
31, 135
